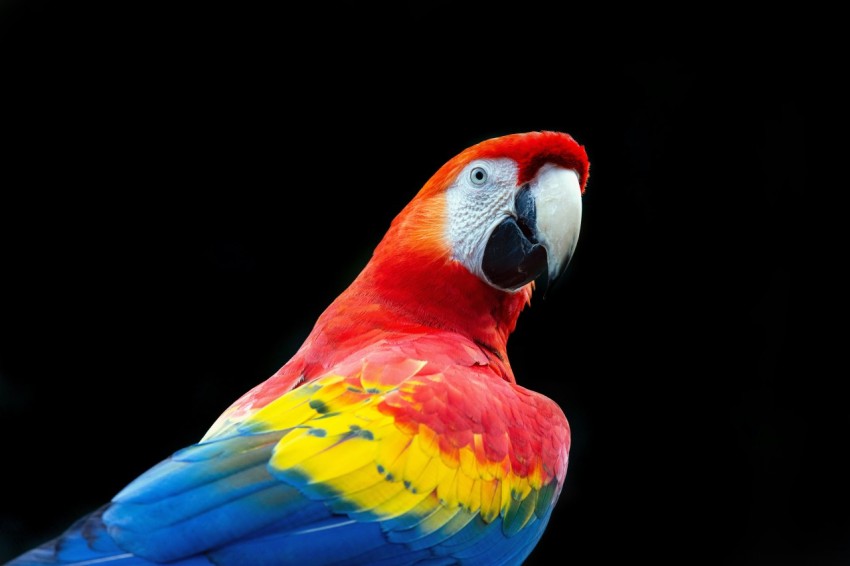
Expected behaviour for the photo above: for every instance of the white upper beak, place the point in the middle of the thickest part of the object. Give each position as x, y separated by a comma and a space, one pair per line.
557, 197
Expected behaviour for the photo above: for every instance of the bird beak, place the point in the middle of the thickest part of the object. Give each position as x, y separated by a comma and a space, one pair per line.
540, 238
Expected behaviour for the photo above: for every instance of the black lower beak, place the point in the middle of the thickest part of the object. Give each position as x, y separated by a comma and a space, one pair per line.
513, 257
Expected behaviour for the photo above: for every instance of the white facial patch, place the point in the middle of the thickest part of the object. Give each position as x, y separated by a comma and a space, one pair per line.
475, 207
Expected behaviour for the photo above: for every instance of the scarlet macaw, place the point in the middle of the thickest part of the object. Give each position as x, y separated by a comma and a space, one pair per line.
397, 433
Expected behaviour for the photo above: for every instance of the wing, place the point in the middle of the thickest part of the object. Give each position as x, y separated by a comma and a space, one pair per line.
389, 459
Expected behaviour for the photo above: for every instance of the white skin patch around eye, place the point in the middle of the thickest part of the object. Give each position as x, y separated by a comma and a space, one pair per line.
474, 209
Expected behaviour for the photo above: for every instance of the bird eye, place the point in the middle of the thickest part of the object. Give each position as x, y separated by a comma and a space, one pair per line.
478, 176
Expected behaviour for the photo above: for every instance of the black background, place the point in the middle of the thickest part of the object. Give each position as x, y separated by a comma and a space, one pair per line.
185, 187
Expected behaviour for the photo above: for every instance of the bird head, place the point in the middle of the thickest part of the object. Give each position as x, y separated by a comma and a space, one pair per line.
507, 209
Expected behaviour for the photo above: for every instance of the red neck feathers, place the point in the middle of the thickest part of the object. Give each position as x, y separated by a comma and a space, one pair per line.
415, 289
412, 285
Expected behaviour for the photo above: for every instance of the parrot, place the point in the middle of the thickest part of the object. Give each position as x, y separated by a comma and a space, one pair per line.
397, 432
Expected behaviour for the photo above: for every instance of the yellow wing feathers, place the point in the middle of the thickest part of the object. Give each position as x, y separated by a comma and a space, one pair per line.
346, 444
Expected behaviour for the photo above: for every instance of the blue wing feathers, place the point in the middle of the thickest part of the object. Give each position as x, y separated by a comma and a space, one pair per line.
179, 511
205, 499
476, 545
431, 529
86, 543
483, 537
410, 519
337, 541
221, 459
217, 502
518, 516
487, 552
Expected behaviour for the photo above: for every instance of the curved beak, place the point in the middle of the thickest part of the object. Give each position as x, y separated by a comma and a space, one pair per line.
542, 235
